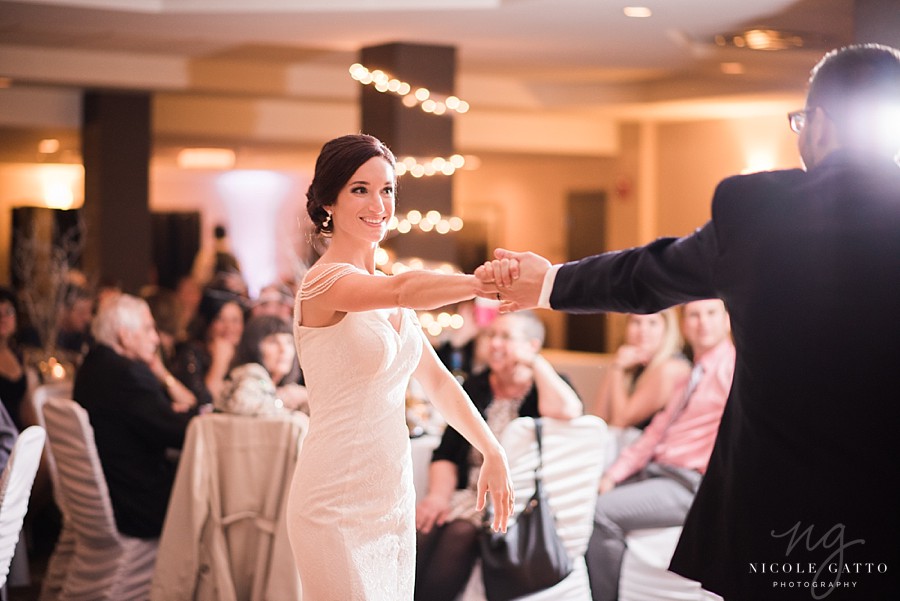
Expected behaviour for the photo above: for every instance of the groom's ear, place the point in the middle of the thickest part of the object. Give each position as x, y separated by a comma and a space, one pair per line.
823, 134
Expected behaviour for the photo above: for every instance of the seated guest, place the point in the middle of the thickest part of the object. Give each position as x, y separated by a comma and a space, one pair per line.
653, 481
13, 378
73, 324
274, 299
216, 261
8, 435
265, 373
518, 382
132, 416
189, 293
165, 310
456, 348
643, 373
203, 361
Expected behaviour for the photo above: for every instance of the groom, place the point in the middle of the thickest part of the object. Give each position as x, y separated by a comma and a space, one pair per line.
804, 469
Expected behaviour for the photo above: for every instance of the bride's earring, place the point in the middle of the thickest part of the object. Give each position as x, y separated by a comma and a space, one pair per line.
327, 221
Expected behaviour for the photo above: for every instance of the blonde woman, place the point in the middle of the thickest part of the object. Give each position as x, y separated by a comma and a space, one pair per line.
644, 372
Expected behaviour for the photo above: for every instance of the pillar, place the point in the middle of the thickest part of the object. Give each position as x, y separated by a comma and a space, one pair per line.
409, 131
116, 145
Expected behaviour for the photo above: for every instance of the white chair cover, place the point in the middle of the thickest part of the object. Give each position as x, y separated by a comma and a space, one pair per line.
225, 535
15, 490
104, 565
44, 392
55, 574
645, 575
573, 458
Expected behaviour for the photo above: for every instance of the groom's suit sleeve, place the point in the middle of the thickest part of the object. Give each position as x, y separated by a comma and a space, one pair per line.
647, 279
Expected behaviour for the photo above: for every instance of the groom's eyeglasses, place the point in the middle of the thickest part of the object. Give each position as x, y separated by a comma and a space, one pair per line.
797, 120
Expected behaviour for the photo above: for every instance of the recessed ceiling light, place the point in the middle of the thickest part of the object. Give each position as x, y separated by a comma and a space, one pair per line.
767, 39
638, 12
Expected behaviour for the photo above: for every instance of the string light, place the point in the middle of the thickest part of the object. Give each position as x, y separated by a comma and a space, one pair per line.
435, 324
424, 98
431, 221
419, 167
431, 321
381, 257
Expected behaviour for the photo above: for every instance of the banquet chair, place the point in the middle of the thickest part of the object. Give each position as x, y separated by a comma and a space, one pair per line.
55, 574
15, 490
645, 575
105, 565
573, 453
41, 394
225, 536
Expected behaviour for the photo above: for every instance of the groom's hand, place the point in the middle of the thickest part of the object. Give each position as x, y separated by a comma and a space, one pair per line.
518, 276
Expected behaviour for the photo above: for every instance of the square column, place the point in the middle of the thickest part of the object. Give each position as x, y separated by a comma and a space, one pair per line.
409, 131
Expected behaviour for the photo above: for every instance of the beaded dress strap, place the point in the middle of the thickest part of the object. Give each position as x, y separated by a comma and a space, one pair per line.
324, 279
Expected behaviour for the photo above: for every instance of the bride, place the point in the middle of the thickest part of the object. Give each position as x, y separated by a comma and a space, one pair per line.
351, 511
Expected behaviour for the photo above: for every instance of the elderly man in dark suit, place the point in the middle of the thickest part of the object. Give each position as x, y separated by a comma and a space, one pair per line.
134, 419
800, 499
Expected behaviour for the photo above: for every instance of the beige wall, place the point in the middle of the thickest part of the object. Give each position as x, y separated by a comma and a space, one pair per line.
673, 169
662, 182
522, 199
694, 156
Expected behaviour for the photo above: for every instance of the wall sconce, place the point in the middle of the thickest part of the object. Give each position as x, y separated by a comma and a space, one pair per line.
58, 183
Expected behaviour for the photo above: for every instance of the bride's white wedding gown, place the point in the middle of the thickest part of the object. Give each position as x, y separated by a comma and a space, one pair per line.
351, 510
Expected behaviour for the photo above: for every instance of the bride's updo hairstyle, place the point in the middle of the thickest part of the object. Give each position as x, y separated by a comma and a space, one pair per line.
338, 161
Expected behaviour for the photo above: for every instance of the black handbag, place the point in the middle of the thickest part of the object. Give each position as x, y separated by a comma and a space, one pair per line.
529, 557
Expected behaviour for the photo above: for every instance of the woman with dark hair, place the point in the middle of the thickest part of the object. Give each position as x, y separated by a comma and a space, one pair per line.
167, 313
264, 374
202, 363
13, 377
351, 515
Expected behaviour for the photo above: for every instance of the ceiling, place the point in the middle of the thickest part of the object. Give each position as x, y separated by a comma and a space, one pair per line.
578, 56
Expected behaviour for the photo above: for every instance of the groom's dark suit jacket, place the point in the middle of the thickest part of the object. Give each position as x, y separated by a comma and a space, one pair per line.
807, 460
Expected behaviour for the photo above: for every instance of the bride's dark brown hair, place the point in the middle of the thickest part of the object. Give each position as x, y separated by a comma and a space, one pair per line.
337, 162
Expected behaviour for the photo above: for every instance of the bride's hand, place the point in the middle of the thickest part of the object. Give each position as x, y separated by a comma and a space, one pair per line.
494, 480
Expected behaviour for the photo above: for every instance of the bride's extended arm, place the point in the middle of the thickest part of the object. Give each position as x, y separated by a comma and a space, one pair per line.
412, 289
449, 398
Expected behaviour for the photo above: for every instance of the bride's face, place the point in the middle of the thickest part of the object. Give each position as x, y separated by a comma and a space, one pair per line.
365, 204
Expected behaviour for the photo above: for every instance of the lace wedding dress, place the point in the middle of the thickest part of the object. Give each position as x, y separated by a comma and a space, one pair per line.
351, 510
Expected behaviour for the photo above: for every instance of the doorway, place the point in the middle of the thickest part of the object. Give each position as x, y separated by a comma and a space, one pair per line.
586, 236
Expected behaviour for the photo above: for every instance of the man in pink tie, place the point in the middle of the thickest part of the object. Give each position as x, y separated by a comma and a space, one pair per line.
653, 481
